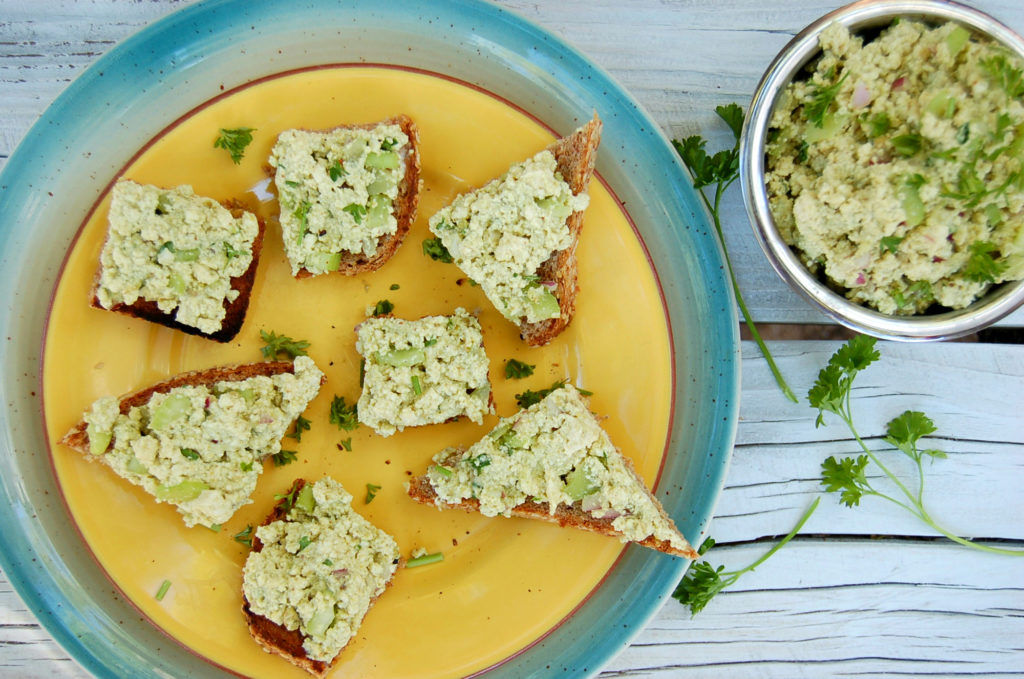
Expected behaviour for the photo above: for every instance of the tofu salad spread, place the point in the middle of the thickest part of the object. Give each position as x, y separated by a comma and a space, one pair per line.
201, 447
319, 568
174, 248
500, 234
897, 167
336, 190
553, 452
422, 371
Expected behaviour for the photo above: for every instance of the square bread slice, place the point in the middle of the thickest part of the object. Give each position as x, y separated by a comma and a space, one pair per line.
552, 461
516, 236
347, 196
424, 371
315, 570
198, 440
178, 259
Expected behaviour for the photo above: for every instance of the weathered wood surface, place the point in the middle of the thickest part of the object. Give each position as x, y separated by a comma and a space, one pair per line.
864, 591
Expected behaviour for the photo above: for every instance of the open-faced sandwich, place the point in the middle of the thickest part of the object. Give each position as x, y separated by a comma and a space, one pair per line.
516, 236
315, 569
178, 259
552, 461
347, 196
198, 440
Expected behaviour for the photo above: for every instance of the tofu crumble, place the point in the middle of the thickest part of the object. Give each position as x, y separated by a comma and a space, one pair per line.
553, 452
501, 233
174, 248
423, 371
336, 190
319, 568
201, 447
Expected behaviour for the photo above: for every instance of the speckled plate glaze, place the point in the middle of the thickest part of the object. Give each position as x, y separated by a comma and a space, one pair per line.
100, 122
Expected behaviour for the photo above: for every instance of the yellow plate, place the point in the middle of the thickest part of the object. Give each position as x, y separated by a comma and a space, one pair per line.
504, 583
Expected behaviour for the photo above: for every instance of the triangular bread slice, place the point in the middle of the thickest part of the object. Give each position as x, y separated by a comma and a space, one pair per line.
205, 479
403, 207
234, 309
299, 505
552, 461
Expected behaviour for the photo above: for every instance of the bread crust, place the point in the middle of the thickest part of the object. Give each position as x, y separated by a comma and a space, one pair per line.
573, 516
275, 638
575, 156
78, 439
405, 204
234, 311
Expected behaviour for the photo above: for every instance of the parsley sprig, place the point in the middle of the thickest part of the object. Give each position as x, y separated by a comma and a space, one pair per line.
281, 344
848, 476
822, 97
722, 169
344, 415
703, 581
234, 141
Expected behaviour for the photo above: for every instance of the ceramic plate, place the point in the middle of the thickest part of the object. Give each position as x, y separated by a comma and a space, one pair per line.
157, 81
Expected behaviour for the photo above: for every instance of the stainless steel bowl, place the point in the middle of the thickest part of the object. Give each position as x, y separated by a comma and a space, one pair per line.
997, 302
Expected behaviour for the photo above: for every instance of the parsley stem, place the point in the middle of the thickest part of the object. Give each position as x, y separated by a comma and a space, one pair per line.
789, 536
425, 560
779, 379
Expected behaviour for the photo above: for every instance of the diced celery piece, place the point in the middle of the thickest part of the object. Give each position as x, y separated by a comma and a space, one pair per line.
385, 160
353, 149
98, 440
544, 304
912, 205
510, 441
956, 39
304, 500
176, 282
320, 621
578, 485
323, 261
829, 126
184, 491
379, 211
402, 358
380, 185
174, 407
942, 105
189, 255
993, 214
136, 467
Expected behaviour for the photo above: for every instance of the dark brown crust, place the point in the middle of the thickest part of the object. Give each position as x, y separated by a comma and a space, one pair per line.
276, 638
78, 439
576, 156
405, 204
420, 490
234, 311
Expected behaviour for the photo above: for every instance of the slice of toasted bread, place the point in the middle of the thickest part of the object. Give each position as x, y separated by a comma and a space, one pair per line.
576, 156
403, 208
276, 638
218, 471
516, 460
234, 310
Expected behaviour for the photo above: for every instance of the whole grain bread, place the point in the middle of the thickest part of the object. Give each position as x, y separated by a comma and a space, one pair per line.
78, 439
422, 491
575, 156
234, 310
405, 204
275, 638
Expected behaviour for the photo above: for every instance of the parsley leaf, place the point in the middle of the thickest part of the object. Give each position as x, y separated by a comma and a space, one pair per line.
281, 344
383, 307
371, 492
234, 141
846, 475
982, 267
345, 416
244, 536
831, 391
530, 397
435, 249
878, 124
1002, 72
908, 145
346, 443
287, 500
517, 369
890, 243
822, 97
357, 211
301, 425
722, 169
285, 457
336, 171
303, 543
190, 454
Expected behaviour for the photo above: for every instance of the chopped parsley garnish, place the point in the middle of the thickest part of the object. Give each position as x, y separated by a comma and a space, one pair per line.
383, 307
442, 470
1010, 79
982, 267
245, 466
336, 171
435, 249
908, 144
162, 592
189, 453
303, 543
963, 133
371, 492
878, 124
302, 214
394, 286
890, 243
918, 290
480, 461
517, 369
301, 425
287, 500
346, 444
234, 141
356, 210
345, 416
285, 457
821, 100
230, 252
328, 562
388, 144
416, 386
281, 344
530, 397
801, 151
244, 536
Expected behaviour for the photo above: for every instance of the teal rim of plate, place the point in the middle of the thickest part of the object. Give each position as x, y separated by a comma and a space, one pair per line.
159, 62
